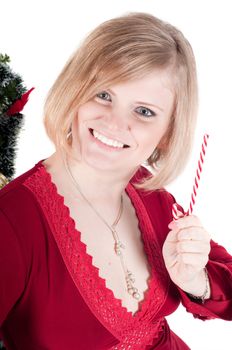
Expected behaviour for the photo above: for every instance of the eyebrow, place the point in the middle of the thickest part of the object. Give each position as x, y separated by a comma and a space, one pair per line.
139, 102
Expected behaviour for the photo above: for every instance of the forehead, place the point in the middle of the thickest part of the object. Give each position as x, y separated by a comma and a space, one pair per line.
157, 85
157, 77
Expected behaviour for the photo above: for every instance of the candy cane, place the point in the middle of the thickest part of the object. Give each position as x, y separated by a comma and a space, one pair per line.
176, 211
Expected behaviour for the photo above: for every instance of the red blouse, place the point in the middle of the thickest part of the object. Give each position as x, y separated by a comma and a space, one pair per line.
51, 294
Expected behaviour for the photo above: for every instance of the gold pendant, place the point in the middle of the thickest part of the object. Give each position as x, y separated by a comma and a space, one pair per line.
130, 288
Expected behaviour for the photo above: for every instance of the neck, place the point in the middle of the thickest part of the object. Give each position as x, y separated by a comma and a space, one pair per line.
99, 187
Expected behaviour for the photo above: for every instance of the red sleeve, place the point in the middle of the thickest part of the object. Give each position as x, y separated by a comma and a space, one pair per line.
12, 268
219, 305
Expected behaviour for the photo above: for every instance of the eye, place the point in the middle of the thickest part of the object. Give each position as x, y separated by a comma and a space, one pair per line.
104, 96
145, 112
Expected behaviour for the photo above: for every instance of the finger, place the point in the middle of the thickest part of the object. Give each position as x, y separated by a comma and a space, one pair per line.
197, 260
186, 221
172, 236
195, 247
194, 234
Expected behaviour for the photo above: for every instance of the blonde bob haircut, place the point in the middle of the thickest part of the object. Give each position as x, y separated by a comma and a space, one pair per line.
123, 48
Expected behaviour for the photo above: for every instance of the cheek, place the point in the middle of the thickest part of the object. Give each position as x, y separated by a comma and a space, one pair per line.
152, 134
89, 109
83, 114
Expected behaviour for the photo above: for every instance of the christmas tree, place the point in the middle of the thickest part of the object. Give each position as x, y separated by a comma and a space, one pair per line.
13, 97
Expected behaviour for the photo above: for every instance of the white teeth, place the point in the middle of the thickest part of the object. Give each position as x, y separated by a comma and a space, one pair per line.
107, 141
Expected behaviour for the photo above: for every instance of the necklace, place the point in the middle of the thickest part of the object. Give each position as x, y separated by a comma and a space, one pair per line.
118, 245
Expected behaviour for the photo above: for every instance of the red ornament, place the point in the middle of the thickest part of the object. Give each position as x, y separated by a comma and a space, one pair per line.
19, 104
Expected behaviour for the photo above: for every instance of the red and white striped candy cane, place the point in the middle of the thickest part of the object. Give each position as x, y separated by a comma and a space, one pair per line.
198, 173
176, 212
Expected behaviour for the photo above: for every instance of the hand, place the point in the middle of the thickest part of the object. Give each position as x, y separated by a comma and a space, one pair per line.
185, 251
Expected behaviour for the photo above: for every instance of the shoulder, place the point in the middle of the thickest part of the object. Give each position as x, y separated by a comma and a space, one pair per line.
22, 220
18, 181
18, 204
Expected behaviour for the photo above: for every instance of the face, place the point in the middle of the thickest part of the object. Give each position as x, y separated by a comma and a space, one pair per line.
119, 128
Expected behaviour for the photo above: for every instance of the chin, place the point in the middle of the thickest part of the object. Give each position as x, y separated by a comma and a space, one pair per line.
101, 165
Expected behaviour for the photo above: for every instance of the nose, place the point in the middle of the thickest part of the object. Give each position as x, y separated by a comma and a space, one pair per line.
117, 119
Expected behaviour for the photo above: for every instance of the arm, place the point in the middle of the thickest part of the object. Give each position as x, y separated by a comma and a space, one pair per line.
187, 250
218, 263
12, 268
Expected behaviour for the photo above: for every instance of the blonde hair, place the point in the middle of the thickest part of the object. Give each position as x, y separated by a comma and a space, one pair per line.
125, 48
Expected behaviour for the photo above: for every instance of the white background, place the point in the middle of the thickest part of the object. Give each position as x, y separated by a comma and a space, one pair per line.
39, 36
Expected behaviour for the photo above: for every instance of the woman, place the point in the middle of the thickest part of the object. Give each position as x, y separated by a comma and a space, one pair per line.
92, 258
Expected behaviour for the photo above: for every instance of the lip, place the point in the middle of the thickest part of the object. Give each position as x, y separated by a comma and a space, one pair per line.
109, 137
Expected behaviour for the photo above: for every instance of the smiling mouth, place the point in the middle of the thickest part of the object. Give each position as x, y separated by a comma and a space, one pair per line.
107, 141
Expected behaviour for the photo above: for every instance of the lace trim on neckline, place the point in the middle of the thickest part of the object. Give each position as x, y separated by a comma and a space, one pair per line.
138, 329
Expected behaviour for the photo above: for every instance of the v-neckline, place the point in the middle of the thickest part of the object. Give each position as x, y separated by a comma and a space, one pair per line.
73, 250
128, 191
